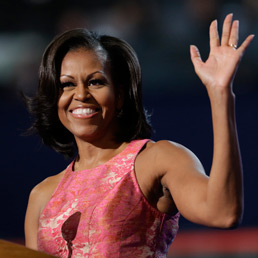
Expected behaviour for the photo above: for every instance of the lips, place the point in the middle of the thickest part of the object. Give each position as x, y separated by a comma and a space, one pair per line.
81, 112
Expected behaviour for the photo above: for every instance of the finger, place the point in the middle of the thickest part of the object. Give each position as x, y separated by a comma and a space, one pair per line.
233, 39
214, 35
195, 56
245, 44
226, 30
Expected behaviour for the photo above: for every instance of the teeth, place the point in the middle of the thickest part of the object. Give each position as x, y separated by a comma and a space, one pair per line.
83, 111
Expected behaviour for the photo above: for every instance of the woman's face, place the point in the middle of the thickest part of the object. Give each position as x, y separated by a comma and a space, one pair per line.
87, 102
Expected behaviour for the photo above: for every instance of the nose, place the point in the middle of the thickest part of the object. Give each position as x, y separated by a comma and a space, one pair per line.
81, 93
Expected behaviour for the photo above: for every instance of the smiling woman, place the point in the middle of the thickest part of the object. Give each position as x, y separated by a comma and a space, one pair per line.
122, 194
122, 66
87, 104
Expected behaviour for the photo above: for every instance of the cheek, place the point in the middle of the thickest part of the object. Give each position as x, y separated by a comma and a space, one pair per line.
107, 99
62, 105
63, 101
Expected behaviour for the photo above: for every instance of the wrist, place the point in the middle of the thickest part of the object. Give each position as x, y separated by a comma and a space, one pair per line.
220, 93
222, 103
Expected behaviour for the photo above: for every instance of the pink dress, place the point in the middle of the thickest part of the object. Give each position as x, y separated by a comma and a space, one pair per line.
101, 212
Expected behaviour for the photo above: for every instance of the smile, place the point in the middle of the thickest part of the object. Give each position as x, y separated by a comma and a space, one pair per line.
84, 112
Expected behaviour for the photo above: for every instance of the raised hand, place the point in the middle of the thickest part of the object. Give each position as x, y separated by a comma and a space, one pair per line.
219, 69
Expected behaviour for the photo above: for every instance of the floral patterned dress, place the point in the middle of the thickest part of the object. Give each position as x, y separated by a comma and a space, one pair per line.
101, 212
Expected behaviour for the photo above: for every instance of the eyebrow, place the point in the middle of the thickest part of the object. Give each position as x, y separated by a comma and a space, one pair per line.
70, 76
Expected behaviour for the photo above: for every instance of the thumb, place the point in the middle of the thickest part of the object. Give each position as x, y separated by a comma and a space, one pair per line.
195, 56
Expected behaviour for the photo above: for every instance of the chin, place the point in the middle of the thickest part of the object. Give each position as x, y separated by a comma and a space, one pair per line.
90, 136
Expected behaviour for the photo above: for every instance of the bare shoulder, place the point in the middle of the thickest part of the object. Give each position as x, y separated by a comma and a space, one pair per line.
164, 152
48, 183
43, 191
164, 166
39, 197
165, 145
162, 158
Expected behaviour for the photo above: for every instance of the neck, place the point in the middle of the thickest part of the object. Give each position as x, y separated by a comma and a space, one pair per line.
93, 154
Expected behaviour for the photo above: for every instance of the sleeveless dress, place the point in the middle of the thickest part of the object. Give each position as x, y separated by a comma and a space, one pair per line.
101, 212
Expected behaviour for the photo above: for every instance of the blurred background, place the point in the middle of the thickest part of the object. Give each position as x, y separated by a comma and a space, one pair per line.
160, 32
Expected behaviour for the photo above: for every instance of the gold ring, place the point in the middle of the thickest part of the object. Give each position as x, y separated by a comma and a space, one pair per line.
233, 45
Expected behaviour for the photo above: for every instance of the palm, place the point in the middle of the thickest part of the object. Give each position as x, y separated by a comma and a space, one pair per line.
220, 67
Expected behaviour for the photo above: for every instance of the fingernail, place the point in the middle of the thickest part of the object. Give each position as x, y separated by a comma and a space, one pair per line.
193, 46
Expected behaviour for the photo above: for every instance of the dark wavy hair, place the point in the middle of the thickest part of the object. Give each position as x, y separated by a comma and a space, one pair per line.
126, 74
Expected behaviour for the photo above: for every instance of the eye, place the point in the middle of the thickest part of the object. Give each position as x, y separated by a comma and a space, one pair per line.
66, 84
96, 82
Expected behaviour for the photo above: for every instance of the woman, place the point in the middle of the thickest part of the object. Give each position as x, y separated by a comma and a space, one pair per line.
122, 194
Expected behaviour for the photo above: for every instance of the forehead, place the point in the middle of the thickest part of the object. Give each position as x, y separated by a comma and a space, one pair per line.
84, 56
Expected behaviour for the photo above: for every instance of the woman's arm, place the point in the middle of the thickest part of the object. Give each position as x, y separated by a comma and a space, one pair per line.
217, 200
39, 197
32, 218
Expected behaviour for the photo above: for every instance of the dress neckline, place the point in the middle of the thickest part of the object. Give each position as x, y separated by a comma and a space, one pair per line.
71, 166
